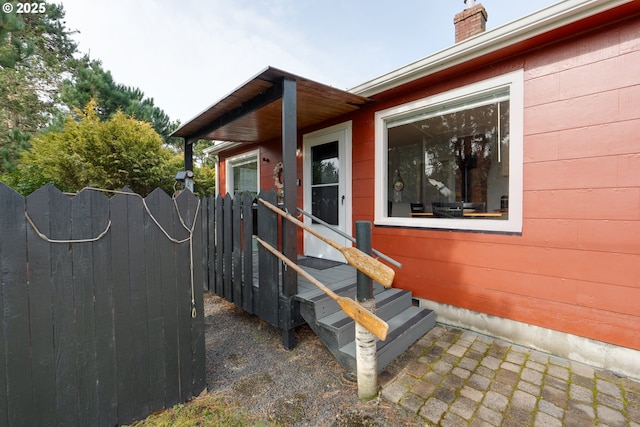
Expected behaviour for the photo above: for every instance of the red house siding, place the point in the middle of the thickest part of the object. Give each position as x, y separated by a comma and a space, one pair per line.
576, 265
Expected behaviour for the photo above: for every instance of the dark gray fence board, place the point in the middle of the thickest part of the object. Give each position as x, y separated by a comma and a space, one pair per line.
8, 221
237, 253
198, 350
104, 314
41, 296
82, 262
155, 245
63, 309
227, 247
122, 306
186, 210
247, 252
15, 308
219, 236
169, 297
204, 233
138, 293
211, 243
267, 262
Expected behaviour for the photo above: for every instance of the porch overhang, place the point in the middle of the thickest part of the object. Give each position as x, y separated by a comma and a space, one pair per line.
252, 113
273, 104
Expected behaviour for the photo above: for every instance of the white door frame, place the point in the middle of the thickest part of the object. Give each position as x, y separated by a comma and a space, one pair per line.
341, 133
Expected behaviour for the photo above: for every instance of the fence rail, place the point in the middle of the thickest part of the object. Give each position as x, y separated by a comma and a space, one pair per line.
100, 332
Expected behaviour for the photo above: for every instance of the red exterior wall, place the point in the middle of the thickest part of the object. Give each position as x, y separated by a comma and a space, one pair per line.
270, 155
576, 265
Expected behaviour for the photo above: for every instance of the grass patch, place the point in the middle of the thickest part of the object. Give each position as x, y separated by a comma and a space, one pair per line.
207, 410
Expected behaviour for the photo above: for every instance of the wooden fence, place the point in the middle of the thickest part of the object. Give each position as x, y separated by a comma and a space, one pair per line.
233, 257
99, 332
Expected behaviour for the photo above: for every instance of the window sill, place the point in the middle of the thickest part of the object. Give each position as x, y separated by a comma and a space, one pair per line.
501, 224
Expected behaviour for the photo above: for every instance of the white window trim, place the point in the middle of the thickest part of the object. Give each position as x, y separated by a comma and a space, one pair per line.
235, 160
515, 81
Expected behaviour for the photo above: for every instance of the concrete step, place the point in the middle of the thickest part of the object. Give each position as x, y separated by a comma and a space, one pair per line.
389, 303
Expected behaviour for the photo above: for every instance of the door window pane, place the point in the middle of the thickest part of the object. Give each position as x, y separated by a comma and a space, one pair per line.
325, 163
324, 203
325, 182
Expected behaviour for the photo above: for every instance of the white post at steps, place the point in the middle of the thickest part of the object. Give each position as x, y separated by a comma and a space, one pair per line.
366, 358
366, 349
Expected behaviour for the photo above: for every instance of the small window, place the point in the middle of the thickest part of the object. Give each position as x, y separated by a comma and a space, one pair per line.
454, 160
242, 173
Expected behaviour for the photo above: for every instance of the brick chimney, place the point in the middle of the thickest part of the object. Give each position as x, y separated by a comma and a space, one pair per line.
471, 21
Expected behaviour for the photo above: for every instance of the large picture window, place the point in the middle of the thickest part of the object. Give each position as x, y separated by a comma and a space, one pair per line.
454, 160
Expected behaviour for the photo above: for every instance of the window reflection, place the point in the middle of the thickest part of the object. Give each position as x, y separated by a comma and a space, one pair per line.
452, 162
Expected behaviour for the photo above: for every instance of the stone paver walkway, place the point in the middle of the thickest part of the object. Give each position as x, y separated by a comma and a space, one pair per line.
458, 378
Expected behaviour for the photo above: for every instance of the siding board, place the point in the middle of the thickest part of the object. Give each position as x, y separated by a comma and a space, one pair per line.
584, 80
629, 170
576, 113
600, 140
619, 204
609, 236
583, 173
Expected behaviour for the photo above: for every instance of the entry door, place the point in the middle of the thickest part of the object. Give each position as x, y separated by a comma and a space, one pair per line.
327, 192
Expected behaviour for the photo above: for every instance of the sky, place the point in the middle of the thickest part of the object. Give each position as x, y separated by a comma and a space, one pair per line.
188, 54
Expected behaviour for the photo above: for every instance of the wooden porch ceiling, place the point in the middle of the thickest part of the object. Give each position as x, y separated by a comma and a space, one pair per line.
253, 112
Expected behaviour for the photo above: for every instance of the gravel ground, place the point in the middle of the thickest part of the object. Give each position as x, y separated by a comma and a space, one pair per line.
306, 386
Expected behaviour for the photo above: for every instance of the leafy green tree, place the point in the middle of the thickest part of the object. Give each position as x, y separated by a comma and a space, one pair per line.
36, 51
204, 180
90, 81
113, 153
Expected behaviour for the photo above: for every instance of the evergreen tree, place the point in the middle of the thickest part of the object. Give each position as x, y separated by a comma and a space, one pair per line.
91, 81
36, 51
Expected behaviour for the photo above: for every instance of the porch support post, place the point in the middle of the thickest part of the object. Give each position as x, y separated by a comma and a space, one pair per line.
188, 154
290, 238
188, 162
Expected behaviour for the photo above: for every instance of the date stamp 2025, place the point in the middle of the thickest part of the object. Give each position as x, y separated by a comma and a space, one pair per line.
22, 8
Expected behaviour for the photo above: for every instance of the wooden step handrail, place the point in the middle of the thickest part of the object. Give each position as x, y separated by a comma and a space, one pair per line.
370, 266
349, 237
357, 312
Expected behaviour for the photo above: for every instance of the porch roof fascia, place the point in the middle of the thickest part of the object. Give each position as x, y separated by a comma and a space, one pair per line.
501, 38
258, 98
